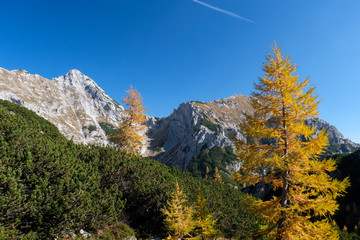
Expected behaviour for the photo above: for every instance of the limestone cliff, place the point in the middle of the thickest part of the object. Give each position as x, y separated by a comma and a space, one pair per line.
179, 137
74, 102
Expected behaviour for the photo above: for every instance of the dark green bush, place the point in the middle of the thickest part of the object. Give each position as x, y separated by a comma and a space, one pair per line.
210, 125
215, 157
109, 129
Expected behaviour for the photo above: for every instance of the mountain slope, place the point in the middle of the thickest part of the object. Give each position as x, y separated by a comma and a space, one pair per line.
51, 187
183, 134
74, 102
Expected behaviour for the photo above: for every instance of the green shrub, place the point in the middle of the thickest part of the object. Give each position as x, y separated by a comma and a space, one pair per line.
91, 128
210, 125
109, 129
215, 157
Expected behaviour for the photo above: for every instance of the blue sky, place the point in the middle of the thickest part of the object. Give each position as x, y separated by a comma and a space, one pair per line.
174, 51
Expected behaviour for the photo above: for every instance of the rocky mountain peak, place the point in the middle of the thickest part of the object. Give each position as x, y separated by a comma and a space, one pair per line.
74, 77
73, 102
337, 142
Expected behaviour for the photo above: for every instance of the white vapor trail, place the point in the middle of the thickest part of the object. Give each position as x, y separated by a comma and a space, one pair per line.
224, 11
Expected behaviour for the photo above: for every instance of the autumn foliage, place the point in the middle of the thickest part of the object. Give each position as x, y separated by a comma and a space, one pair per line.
204, 219
217, 176
179, 215
281, 150
131, 131
185, 220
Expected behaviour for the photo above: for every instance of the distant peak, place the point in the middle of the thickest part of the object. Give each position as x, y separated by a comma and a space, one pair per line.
75, 75
75, 72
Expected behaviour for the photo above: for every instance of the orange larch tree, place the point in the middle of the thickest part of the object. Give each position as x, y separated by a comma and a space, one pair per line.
131, 134
281, 150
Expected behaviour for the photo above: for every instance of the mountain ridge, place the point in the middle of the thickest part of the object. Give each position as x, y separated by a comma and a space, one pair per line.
82, 111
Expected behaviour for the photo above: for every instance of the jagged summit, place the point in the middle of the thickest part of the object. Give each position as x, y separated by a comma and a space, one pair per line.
75, 72
80, 83
74, 77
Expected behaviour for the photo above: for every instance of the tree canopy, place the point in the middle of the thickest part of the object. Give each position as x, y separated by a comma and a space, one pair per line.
281, 150
131, 136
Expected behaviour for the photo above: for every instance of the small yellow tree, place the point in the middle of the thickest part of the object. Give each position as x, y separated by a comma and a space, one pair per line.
281, 150
130, 137
207, 172
204, 220
179, 216
217, 176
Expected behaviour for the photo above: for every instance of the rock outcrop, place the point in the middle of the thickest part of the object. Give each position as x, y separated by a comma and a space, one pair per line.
194, 125
337, 142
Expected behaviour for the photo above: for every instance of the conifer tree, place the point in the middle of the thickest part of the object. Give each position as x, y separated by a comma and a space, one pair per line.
204, 220
217, 176
281, 150
130, 137
179, 216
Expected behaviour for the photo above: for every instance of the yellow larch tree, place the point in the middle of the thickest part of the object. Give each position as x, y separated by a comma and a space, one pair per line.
131, 136
179, 215
281, 150
217, 176
207, 172
204, 220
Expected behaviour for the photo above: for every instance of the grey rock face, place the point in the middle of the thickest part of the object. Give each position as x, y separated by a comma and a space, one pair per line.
74, 102
182, 135
337, 142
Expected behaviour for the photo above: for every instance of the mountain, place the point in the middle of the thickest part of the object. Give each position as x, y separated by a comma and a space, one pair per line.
82, 111
196, 125
337, 143
78, 107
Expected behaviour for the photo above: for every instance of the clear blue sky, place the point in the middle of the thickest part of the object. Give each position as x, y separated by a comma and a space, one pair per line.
179, 50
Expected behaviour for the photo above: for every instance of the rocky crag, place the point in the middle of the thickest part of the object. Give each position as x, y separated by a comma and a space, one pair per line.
194, 125
80, 109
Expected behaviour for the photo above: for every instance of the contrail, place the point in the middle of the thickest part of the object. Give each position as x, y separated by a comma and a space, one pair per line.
223, 11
